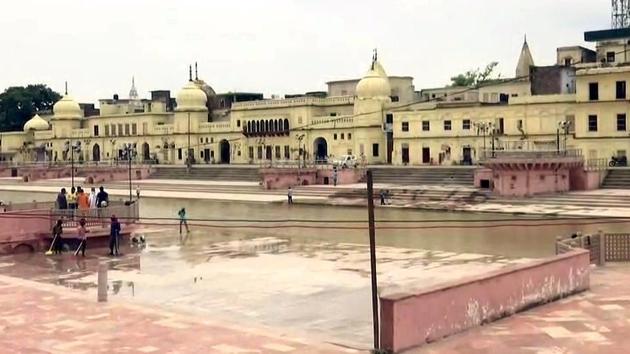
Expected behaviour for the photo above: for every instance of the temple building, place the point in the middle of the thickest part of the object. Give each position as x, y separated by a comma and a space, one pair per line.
579, 102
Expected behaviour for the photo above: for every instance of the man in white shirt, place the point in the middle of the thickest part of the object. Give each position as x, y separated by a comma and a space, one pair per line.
92, 198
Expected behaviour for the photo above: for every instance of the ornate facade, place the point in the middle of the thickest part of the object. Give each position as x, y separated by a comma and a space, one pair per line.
579, 102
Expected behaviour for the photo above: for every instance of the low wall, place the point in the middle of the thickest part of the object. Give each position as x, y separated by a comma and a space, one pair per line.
587, 180
283, 178
412, 319
92, 174
482, 174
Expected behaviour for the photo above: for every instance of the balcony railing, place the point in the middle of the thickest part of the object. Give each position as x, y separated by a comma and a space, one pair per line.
490, 154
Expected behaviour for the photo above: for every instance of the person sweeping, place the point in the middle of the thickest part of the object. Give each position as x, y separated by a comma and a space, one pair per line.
82, 234
56, 246
182, 220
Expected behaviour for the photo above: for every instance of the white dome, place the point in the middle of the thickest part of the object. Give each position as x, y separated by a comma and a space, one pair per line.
374, 84
67, 108
36, 123
191, 98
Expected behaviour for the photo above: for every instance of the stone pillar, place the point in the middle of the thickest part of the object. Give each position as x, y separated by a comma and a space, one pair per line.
102, 283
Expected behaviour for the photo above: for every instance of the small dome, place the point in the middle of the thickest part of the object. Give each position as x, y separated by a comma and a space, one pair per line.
374, 84
67, 108
36, 123
191, 98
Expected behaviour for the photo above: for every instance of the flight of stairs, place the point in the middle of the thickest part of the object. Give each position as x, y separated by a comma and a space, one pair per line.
617, 178
218, 173
424, 175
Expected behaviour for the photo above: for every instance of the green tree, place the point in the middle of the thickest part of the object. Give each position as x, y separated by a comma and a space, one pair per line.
18, 104
472, 78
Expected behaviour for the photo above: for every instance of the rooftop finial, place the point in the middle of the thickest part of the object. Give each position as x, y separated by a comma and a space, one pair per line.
66, 87
189, 72
374, 58
525, 38
196, 73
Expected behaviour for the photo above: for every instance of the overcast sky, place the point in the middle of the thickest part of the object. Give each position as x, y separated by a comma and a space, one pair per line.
275, 46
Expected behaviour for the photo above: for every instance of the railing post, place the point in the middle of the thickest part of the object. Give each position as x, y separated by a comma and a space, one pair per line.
602, 248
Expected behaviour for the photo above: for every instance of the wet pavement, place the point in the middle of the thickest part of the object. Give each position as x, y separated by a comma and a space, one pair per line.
318, 289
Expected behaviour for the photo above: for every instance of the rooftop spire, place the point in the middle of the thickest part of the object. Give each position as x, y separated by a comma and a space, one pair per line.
525, 60
189, 72
133, 93
196, 73
374, 57
66, 84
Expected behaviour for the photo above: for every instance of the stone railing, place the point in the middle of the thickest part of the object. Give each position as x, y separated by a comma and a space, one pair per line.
163, 129
81, 133
43, 135
603, 247
338, 121
215, 127
298, 101
490, 154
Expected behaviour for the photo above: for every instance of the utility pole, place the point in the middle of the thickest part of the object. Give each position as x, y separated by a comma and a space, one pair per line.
372, 232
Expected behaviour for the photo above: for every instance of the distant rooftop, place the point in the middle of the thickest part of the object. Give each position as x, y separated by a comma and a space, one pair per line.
609, 34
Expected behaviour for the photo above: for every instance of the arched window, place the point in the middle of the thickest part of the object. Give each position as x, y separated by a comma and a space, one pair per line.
249, 127
276, 127
286, 125
266, 126
257, 127
262, 126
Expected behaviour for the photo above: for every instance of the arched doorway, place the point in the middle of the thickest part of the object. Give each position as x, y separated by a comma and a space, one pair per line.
96, 153
224, 147
146, 153
320, 147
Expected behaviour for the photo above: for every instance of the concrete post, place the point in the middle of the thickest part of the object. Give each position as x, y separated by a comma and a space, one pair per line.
102, 283
602, 248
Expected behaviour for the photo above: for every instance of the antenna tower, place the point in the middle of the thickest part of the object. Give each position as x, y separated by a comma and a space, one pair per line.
620, 14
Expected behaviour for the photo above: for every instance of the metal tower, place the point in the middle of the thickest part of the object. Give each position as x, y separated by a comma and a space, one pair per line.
620, 13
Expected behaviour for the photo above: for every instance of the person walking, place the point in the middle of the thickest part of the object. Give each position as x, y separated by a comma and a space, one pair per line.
290, 195
335, 176
182, 220
82, 235
114, 234
57, 242
382, 194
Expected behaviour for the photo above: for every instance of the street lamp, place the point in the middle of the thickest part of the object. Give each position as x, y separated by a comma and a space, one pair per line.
130, 152
72, 147
302, 151
484, 127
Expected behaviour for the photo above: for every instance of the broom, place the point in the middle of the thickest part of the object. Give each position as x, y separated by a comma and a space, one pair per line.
49, 252
76, 253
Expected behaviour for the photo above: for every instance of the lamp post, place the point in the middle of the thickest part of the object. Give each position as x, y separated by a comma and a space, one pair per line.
130, 152
72, 146
301, 151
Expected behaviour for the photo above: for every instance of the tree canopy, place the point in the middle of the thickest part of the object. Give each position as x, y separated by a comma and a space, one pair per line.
472, 78
18, 104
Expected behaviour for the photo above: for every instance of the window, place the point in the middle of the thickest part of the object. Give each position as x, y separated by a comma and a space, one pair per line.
567, 61
592, 123
349, 136
179, 153
96, 130
206, 140
126, 129
447, 125
466, 124
134, 129
107, 130
250, 152
389, 118
395, 98
333, 114
335, 136
342, 136
201, 140
500, 126
621, 122
570, 119
610, 57
114, 129
278, 152
145, 129
260, 152
375, 150
287, 152
405, 126
238, 123
120, 129
426, 125
593, 91
519, 124
621, 90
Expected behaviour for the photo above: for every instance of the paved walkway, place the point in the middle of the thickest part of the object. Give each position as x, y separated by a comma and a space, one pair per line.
42, 318
596, 321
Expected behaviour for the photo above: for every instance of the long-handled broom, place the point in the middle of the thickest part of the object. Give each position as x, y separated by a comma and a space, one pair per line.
76, 253
52, 244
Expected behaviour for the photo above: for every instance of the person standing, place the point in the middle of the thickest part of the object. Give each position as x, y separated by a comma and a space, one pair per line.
290, 195
82, 235
57, 230
335, 176
382, 194
182, 220
102, 198
72, 199
92, 198
62, 202
114, 234
83, 202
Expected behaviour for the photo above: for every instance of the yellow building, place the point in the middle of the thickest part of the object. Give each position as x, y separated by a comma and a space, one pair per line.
578, 102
